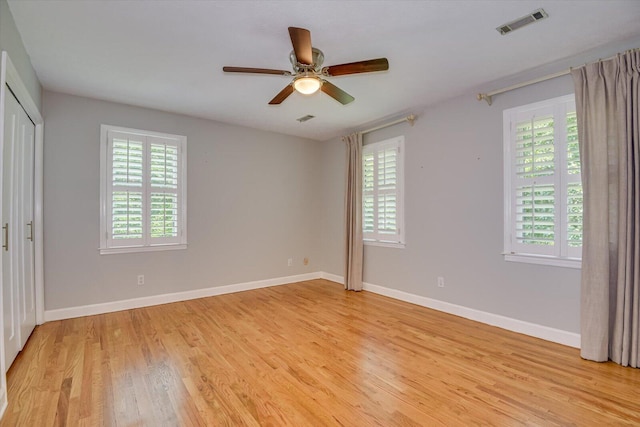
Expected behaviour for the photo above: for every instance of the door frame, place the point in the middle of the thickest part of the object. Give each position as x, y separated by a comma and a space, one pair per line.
9, 76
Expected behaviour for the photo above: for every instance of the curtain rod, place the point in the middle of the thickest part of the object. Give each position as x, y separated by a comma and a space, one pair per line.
410, 118
487, 96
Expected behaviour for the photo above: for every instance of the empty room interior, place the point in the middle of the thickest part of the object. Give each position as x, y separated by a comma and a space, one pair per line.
307, 213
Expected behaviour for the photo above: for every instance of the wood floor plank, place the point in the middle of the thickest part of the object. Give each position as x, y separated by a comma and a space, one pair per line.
306, 354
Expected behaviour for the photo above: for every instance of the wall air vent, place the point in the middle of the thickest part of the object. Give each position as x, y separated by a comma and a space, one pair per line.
305, 118
521, 22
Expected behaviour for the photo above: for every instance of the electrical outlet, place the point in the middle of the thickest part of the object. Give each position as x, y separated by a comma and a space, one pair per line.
305, 261
141, 279
289, 262
440, 282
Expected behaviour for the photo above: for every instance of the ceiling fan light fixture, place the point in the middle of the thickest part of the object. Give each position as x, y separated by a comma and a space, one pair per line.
307, 85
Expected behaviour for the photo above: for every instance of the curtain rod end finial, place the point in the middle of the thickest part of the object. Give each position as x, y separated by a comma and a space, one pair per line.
484, 96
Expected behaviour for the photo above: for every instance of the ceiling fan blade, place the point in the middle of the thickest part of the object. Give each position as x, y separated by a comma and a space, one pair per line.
255, 71
284, 94
301, 41
336, 93
380, 64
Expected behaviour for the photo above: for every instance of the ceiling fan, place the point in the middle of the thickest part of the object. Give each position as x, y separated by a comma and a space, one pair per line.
308, 72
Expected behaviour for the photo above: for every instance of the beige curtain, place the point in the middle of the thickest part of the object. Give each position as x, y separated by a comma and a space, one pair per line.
608, 128
353, 211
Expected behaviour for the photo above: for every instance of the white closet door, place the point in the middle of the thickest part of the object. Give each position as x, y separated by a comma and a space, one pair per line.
17, 217
26, 283
9, 290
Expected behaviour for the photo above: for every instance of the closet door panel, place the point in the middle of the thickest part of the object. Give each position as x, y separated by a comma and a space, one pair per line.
26, 282
9, 260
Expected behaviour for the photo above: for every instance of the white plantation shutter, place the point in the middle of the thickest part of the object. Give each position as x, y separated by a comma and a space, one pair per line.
573, 178
543, 190
382, 190
126, 215
534, 181
163, 195
368, 199
143, 190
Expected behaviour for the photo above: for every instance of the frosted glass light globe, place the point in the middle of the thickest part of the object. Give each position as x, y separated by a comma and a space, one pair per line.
306, 85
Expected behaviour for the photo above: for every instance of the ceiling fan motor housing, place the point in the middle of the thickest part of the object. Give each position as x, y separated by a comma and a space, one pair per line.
318, 59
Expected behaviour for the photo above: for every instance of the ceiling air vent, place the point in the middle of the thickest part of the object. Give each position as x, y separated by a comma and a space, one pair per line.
521, 22
305, 118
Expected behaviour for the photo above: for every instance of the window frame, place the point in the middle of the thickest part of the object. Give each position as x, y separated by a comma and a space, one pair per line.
146, 243
375, 147
560, 254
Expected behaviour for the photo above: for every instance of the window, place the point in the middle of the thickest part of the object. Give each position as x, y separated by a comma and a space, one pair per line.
543, 187
143, 190
382, 193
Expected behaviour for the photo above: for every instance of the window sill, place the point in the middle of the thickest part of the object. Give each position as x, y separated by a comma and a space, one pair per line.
384, 244
544, 260
135, 249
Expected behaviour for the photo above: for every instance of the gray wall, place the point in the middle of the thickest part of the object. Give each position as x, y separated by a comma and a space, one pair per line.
454, 209
11, 41
252, 203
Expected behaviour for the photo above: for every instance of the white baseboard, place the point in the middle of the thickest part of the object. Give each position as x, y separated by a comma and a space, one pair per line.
559, 336
539, 331
108, 307
332, 277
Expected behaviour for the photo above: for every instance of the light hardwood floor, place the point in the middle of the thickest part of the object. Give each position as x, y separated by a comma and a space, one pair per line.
306, 354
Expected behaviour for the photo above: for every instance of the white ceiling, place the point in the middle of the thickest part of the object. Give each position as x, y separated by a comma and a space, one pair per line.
169, 55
